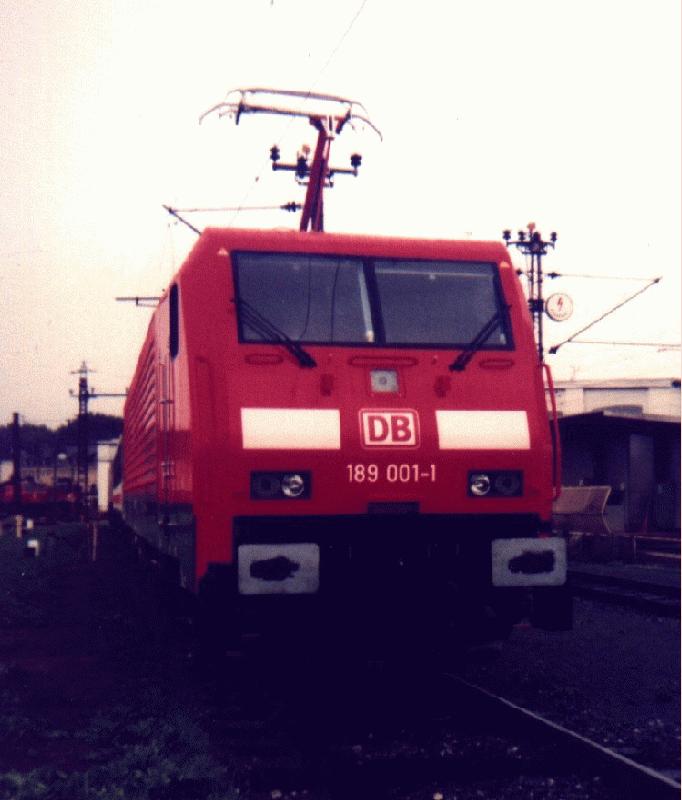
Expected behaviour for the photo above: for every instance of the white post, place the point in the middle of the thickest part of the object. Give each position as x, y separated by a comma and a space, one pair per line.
95, 537
106, 452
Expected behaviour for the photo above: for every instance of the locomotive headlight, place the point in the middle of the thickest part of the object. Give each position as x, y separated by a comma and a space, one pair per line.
508, 484
280, 485
293, 484
479, 484
496, 483
265, 485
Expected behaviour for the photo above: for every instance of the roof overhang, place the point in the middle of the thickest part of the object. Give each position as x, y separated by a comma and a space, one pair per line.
619, 418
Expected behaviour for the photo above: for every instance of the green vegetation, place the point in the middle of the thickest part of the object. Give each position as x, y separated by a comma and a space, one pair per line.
162, 756
39, 444
93, 705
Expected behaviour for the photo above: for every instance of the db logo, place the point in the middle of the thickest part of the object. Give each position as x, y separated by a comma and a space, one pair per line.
389, 428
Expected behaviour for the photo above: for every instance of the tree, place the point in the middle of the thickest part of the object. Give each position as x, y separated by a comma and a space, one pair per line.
39, 444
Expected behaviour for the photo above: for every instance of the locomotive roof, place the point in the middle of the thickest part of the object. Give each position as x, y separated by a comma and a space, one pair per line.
212, 239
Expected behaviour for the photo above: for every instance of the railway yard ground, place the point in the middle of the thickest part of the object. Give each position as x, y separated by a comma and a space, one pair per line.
102, 695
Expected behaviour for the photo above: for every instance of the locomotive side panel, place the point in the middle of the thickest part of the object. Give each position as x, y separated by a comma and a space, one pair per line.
176, 508
206, 300
140, 443
157, 488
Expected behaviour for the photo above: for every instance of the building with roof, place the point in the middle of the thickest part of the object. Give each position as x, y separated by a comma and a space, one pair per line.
624, 434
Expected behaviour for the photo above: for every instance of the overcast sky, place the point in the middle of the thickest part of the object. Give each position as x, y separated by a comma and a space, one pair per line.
494, 113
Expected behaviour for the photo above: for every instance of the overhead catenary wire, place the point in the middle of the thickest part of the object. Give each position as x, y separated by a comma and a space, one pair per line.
652, 282
143, 301
595, 277
610, 343
338, 46
667, 345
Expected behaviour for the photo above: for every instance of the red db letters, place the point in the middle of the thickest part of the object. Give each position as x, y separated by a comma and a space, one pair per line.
389, 428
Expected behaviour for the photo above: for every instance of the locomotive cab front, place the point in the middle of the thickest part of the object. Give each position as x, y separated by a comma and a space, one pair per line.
365, 431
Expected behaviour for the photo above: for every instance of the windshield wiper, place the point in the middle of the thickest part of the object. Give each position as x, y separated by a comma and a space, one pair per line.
270, 332
470, 349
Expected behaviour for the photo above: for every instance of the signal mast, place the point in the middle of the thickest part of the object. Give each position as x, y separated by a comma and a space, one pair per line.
85, 394
328, 114
532, 244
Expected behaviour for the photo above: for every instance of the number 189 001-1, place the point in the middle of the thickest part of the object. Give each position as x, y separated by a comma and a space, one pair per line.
392, 473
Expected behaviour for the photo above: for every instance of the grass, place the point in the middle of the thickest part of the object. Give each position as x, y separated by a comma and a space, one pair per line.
91, 705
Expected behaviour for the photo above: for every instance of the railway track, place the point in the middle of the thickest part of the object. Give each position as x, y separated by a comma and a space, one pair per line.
625, 774
643, 595
415, 735
276, 722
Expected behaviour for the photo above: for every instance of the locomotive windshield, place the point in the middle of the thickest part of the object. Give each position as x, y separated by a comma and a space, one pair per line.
315, 299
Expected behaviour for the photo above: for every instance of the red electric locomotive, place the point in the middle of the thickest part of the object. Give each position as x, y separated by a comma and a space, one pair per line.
338, 423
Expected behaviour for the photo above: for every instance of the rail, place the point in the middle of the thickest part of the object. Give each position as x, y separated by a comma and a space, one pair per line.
637, 779
661, 599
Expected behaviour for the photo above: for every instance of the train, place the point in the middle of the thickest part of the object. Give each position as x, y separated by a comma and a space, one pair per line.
343, 428
41, 500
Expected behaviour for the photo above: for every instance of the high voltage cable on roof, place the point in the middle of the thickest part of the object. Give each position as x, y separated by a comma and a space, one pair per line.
283, 207
175, 212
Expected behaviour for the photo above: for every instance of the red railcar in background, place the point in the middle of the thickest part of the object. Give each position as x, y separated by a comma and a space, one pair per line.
39, 499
